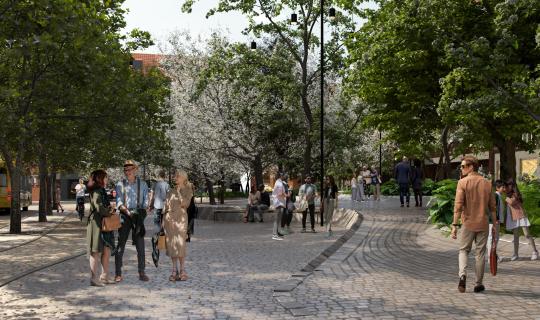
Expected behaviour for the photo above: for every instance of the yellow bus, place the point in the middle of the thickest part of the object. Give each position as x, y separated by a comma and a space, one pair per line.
5, 190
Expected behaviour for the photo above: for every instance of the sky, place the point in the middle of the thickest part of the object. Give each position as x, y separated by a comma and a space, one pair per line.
161, 17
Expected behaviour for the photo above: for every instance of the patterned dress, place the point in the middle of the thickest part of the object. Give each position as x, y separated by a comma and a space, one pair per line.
175, 220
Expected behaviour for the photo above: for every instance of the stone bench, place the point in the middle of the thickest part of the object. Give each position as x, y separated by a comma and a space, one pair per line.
342, 217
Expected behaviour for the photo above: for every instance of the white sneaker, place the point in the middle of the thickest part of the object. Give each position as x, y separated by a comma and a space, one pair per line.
276, 237
514, 258
534, 256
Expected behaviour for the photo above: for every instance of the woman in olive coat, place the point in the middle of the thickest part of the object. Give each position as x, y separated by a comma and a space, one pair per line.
98, 249
175, 224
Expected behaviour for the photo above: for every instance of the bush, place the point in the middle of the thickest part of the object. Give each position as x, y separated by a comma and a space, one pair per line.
441, 208
390, 188
428, 187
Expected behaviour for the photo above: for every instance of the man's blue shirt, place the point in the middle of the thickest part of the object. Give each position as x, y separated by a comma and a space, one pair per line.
130, 190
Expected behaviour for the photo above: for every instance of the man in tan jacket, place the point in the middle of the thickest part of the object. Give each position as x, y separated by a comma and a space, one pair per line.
473, 200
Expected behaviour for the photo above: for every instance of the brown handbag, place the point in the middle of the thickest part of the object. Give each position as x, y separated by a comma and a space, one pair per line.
111, 223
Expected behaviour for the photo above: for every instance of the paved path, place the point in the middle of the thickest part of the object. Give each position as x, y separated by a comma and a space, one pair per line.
233, 269
397, 267
394, 267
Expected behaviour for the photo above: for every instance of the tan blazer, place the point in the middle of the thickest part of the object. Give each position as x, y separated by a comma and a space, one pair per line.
473, 200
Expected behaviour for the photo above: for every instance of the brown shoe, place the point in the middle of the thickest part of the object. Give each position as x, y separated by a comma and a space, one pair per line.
118, 279
143, 277
462, 284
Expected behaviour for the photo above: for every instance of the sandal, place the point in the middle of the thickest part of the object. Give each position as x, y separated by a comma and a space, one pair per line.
118, 279
173, 276
182, 276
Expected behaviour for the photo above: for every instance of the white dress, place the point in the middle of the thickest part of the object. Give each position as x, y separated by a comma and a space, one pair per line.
511, 224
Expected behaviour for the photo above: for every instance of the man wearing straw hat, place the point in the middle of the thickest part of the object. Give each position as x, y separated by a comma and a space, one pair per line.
132, 201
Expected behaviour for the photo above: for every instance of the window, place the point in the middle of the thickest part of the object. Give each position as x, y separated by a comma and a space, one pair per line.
3, 177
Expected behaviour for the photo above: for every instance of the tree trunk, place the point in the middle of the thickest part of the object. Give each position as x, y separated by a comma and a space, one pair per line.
210, 188
54, 201
258, 171
15, 211
440, 168
43, 174
446, 152
507, 150
15, 169
48, 198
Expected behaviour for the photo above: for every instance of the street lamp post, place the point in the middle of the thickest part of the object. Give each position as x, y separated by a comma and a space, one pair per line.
332, 15
322, 106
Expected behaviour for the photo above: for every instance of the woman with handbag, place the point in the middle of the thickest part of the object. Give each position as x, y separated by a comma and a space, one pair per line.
175, 224
99, 243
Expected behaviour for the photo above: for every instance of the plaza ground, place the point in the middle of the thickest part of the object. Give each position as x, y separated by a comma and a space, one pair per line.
395, 266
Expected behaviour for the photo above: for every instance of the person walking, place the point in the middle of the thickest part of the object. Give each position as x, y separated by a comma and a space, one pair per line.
80, 190
417, 180
402, 174
360, 186
473, 199
280, 204
376, 182
308, 192
175, 224
330, 202
132, 201
161, 188
354, 191
99, 243
366, 178
516, 218
58, 196
286, 218
500, 187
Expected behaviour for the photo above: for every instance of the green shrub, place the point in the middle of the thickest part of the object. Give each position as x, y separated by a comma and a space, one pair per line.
441, 208
390, 188
428, 187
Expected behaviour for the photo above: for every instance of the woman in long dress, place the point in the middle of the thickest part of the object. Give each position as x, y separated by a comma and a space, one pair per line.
175, 224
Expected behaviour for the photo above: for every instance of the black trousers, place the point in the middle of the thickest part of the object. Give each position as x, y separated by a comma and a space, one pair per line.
404, 192
311, 209
286, 218
418, 196
123, 235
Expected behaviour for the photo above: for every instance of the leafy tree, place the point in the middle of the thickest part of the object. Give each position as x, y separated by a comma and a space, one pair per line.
63, 70
299, 40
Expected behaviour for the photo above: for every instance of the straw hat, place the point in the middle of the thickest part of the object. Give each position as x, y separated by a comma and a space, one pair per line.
129, 163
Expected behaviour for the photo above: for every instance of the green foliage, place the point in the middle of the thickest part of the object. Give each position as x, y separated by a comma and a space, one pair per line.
428, 187
531, 204
441, 208
390, 188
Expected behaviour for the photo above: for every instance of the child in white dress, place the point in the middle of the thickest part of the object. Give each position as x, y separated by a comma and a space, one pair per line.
516, 218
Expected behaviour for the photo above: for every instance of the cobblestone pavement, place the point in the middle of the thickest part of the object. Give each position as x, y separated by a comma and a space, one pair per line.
397, 267
233, 269
394, 267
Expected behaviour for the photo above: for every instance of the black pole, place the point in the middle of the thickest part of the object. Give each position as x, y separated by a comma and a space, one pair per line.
322, 104
380, 152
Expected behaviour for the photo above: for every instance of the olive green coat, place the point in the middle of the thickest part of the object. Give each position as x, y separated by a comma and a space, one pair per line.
94, 242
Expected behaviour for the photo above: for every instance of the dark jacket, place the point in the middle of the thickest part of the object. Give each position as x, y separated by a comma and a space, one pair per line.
417, 178
265, 198
402, 172
330, 191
